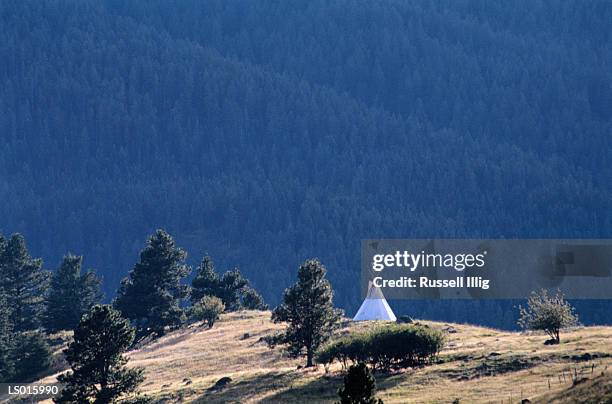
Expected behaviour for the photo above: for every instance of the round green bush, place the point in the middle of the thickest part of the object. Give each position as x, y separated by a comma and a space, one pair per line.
386, 348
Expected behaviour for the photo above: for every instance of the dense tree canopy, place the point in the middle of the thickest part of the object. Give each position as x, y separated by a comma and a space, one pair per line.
98, 368
205, 282
23, 282
71, 294
232, 288
268, 131
23, 285
308, 309
152, 294
6, 340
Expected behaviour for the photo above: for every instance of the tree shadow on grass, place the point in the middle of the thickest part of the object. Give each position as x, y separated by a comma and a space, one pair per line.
243, 388
324, 389
289, 387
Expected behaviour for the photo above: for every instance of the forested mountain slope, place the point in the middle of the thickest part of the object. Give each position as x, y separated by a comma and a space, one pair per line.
266, 132
512, 71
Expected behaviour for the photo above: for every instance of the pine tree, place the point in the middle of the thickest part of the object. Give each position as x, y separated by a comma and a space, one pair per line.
63, 306
6, 340
359, 386
206, 281
151, 296
90, 292
252, 300
31, 356
230, 289
22, 354
71, 294
307, 307
99, 372
25, 282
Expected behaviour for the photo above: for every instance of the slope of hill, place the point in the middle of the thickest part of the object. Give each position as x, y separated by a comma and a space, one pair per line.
478, 365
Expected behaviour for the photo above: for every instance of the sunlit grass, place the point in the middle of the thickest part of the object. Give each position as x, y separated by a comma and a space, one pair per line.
478, 365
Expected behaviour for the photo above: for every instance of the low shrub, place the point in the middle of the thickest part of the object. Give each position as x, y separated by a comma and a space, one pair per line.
386, 348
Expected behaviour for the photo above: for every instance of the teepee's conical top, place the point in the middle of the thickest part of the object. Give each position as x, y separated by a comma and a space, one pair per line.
374, 307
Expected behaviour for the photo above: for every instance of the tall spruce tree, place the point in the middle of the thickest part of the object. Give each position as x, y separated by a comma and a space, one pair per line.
6, 340
308, 308
206, 281
252, 300
71, 294
31, 356
231, 286
22, 354
6, 328
90, 292
151, 295
98, 368
23, 279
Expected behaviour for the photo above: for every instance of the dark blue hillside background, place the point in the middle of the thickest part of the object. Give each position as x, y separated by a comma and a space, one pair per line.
267, 132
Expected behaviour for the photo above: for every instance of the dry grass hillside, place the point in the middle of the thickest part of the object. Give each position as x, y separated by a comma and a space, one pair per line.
478, 365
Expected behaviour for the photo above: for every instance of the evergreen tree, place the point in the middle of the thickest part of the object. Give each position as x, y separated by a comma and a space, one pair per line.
252, 300
232, 288
63, 311
308, 308
206, 281
151, 295
71, 294
231, 285
359, 386
6, 340
22, 354
24, 281
31, 356
98, 367
90, 292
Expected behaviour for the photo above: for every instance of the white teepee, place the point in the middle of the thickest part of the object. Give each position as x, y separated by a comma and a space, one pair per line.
374, 307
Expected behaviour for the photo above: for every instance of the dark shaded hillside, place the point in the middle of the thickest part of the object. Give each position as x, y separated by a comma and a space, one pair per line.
535, 73
268, 132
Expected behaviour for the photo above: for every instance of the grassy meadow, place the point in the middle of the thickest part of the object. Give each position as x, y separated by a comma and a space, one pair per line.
477, 365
